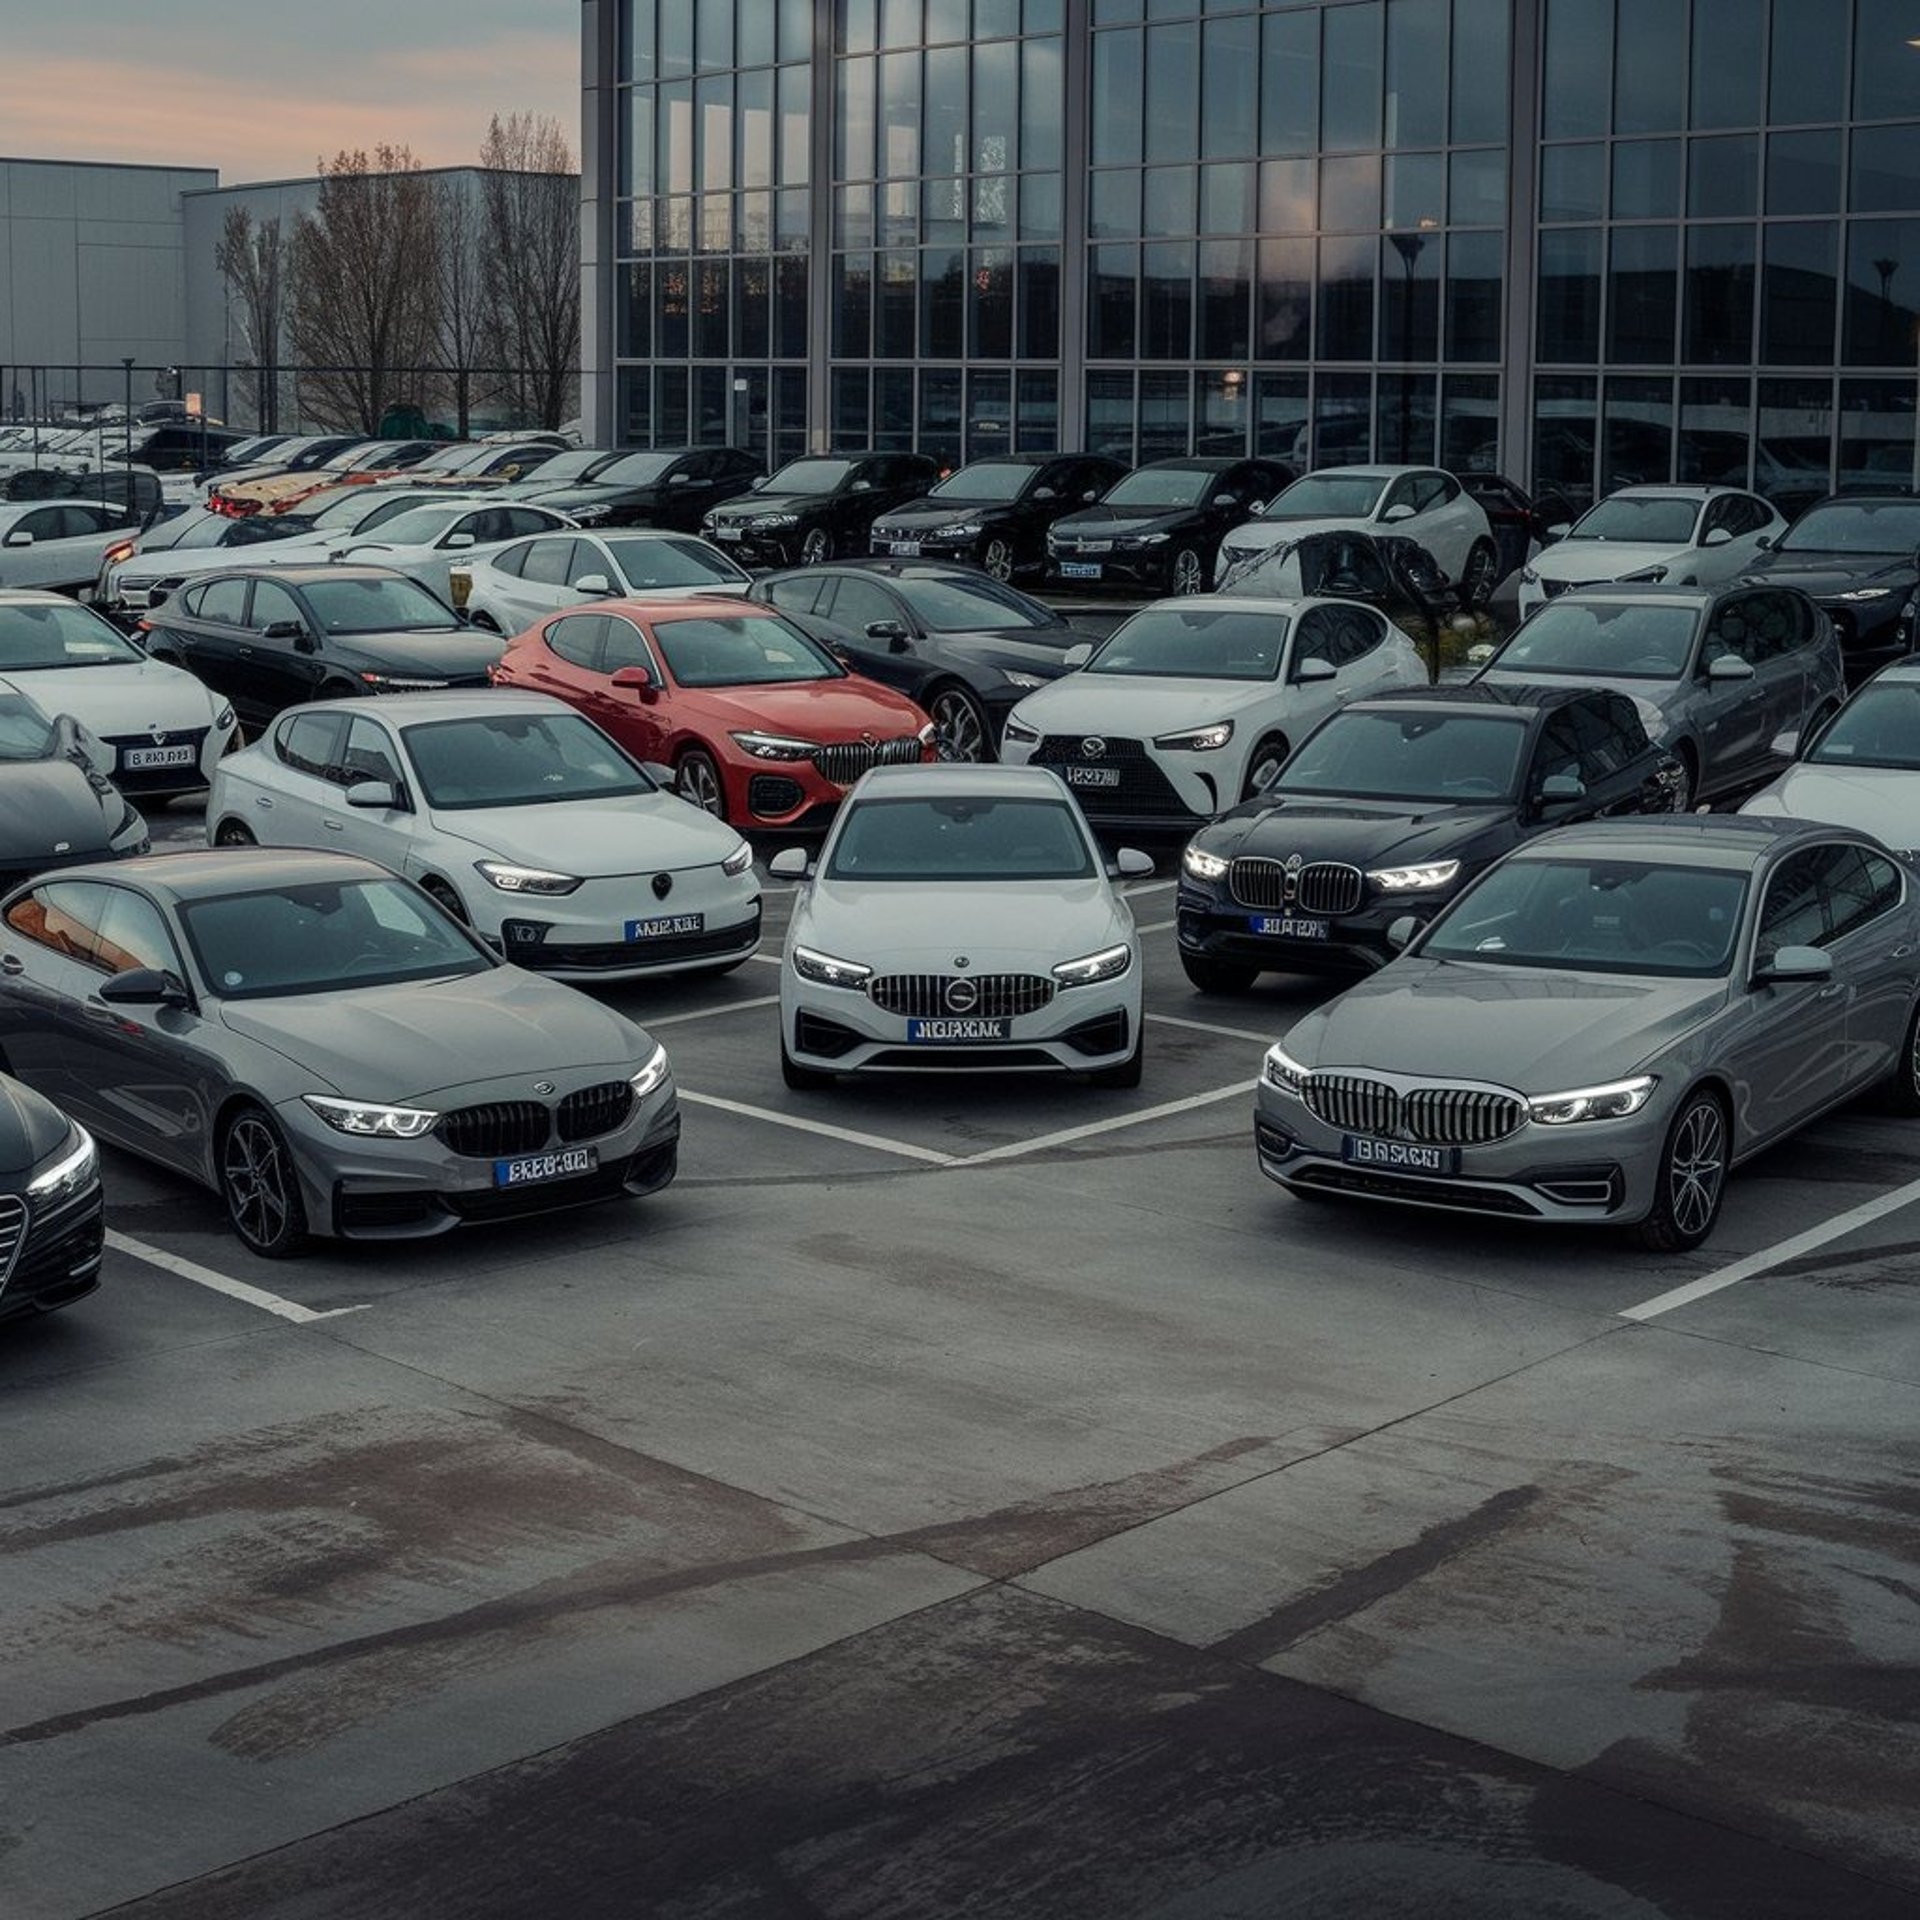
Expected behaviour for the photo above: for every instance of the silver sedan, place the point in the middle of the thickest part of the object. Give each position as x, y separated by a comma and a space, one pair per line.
1605, 1023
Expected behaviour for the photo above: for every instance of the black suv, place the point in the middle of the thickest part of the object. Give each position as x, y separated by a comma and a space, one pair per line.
996, 512
815, 508
652, 487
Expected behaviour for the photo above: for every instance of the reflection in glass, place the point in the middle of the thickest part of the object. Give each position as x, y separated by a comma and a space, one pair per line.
894, 306
1479, 52
1727, 38
1876, 434
943, 272
1650, 60
1795, 442
1886, 83
1416, 73
1470, 423
1350, 76
1346, 298
1226, 199
1230, 79
1798, 294
1166, 301
893, 409
1287, 200
990, 304
1167, 201
1718, 327
1646, 179
1803, 172
1226, 292
1886, 170
1415, 189
1883, 285
1281, 416
1118, 91
1113, 204
1290, 82
1564, 432
1110, 415
1410, 296
1041, 103
1475, 264
1111, 302
849, 397
1221, 427
1569, 294
853, 121
1637, 449
995, 105
1477, 187
1343, 411
1350, 193
1285, 324
1722, 177
1716, 432
940, 427
1039, 303
1405, 422
1573, 183
1173, 78
853, 306
946, 110
1809, 61
1579, 61
1166, 415
1037, 411
1642, 294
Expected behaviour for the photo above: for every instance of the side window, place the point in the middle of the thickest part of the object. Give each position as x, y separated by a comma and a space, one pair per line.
368, 755
1359, 631
1429, 490
858, 603
512, 562
43, 523
1400, 494
222, 601
549, 563
305, 743
1794, 913
1318, 636
1595, 740
64, 919
132, 934
625, 646
1772, 625
1629, 733
1558, 753
801, 594
482, 527
512, 522
271, 602
577, 639
1860, 888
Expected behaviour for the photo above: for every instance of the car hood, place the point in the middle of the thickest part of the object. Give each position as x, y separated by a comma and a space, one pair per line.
822, 710
653, 833
48, 809
1361, 833
430, 653
412, 1041
121, 700
565, 498
30, 1127
1044, 658
1875, 800
753, 505
898, 926
1535, 1030
1819, 574
1114, 523
1579, 561
1137, 707
1256, 536
924, 516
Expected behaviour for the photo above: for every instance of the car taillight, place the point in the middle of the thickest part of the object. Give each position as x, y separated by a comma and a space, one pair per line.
120, 550
143, 626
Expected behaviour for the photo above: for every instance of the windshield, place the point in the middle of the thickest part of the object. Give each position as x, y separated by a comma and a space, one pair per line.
987, 481
575, 465
1878, 727
673, 563
519, 760
747, 651
1196, 643
1163, 487
454, 459
361, 508
1328, 496
259, 528
636, 470
1444, 758
419, 526
329, 938
809, 476
1661, 522
1596, 915
961, 837
378, 605
38, 635
25, 732
1852, 526
1628, 639
970, 606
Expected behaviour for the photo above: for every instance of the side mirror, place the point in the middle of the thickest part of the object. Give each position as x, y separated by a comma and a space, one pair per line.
790, 863
78, 744
378, 796
889, 630
1559, 530
1129, 863
145, 987
593, 583
1309, 672
283, 630
679, 479
637, 680
1076, 656
660, 774
1398, 511
1791, 964
1729, 666
1400, 932
1092, 493
19, 537
1716, 537
1045, 493
1562, 790
1225, 500
454, 540
1259, 507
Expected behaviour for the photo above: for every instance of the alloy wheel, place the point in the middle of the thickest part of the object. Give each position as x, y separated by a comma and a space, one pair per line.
959, 727
1187, 572
998, 559
1696, 1168
815, 547
699, 782
232, 833
1476, 579
257, 1180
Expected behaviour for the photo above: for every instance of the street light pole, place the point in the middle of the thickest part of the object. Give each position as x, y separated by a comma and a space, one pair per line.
126, 363
1409, 246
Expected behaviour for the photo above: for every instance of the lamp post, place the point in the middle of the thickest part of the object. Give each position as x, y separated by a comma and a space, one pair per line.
126, 364
1409, 246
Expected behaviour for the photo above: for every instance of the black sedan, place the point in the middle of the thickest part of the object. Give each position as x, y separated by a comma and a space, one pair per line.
52, 1228
962, 647
271, 638
57, 806
815, 508
655, 487
1161, 527
1388, 809
1858, 556
996, 512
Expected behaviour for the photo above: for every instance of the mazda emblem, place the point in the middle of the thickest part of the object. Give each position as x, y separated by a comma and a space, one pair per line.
962, 996
543, 1086
1093, 746
662, 885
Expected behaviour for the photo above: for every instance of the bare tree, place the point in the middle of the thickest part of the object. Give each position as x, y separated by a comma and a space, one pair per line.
531, 198
253, 260
365, 288
463, 319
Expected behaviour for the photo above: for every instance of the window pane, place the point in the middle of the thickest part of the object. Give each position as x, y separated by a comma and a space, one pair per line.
1638, 446
1039, 303
1410, 297
1221, 428
946, 111
1226, 199
893, 409
940, 427
1343, 413
853, 306
1113, 204
1470, 423
1290, 82
1886, 82
1797, 310
1042, 102
894, 308
1110, 307
1286, 300
1475, 264
1573, 183
1794, 459
1117, 96
1886, 170
1281, 417
1404, 424
753, 129
1727, 38
1579, 65
1564, 432
1570, 294
1479, 52
1723, 177
752, 313
790, 307
1350, 193
670, 311
990, 304
1650, 54
1415, 190
1173, 78
1646, 179
1477, 188
853, 121
1719, 296
1809, 61
1166, 301
1350, 76
995, 105
1039, 206
1346, 298
1230, 76
1883, 289
989, 414
1166, 415
1876, 433
1036, 411
1641, 294
1287, 197
1803, 172
1167, 201
1716, 432
1110, 415
1226, 295
943, 272
1416, 74
712, 291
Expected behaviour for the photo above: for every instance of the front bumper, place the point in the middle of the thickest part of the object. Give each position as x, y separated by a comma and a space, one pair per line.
59, 1259
206, 744
759, 546
584, 935
1213, 927
1150, 568
1135, 792
794, 796
1871, 634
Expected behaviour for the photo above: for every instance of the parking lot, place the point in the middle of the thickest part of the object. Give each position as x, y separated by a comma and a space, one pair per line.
984, 1497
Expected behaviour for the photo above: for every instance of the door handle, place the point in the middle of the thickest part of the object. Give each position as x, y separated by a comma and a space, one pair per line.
245, 653
261, 801
1829, 992
11, 963
334, 826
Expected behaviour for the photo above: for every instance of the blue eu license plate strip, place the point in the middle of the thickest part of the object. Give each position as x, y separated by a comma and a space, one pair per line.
530, 1169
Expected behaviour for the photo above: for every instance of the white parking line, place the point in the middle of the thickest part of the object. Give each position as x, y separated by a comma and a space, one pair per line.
905, 1149
222, 1283
1778, 1255
1157, 926
768, 959
1207, 1026
708, 1013
1150, 886
1067, 1135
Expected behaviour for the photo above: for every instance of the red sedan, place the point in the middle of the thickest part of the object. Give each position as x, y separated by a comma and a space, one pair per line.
759, 722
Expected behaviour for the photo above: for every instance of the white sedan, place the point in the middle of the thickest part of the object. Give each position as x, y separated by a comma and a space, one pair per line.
519, 816
960, 918
1678, 534
166, 730
56, 543
1192, 705
426, 541
1418, 503
511, 587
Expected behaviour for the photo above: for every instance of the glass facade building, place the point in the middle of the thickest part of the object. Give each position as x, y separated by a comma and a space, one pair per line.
1586, 242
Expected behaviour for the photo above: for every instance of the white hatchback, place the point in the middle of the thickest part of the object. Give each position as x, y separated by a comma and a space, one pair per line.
512, 587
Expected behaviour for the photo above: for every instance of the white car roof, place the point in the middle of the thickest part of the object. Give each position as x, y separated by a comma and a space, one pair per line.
404, 709
981, 782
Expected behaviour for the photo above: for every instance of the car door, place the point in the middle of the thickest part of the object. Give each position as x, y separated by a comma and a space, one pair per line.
1779, 665
46, 948
288, 806
367, 752
547, 575
1872, 947
564, 659
280, 657
639, 718
205, 634
857, 603
1733, 712
37, 550
1346, 639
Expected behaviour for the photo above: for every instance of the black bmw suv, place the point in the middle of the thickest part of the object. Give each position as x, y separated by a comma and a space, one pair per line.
817, 508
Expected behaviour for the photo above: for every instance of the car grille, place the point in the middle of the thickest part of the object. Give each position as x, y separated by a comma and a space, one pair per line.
13, 1233
1142, 787
926, 996
1435, 1116
501, 1127
1325, 886
595, 1110
845, 763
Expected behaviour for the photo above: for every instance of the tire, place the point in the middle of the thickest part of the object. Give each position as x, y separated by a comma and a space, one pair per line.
1262, 763
1683, 794
234, 833
961, 730
1218, 976
816, 547
1692, 1178
443, 895
259, 1187
1902, 1086
1127, 1073
997, 558
696, 780
1476, 577
1187, 574
801, 1079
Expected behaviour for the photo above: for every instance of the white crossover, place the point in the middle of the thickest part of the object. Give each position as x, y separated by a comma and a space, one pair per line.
56, 543
1193, 704
519, 816
1418, 503
1680, 535
427, 540
960, 918
167, 731
511, 587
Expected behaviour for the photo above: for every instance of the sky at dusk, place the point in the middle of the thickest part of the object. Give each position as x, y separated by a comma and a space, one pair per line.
262, 91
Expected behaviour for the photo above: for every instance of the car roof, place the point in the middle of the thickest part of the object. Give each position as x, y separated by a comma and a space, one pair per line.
1365, 473
199, 874
1662, 592
1677, 490
987, 782
1519, 697
294, 575
34, 597
410, 709
886, 566
1734, 840
693, 607
1903, 673
1202, 462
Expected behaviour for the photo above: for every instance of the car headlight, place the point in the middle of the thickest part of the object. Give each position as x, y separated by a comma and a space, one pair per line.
774, 520
650, 1075
1282, 1070
398, 683
1018, 730
775, 746
223, 720
72, 1173
511, 879
1611, 1102
738, 861
591, 516
1421, 879
960, 530
928, 734
826, 971
1108, 964
1143, 540
1198, 864
1196, 739
1529, 576
1856, 594
1647, 576
370, 1121
1026, 682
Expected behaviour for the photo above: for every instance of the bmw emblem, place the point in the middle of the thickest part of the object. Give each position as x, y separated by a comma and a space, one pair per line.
962, 996
1093, 746
543, 1086
662, 885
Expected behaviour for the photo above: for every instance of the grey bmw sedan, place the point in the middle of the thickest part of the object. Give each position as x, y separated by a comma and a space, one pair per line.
1605, 1023
324, 1046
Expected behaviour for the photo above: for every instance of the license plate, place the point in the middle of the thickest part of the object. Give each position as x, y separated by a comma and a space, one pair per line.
1080, 569
1092, 776
138, 759
532, 1168
1398, 1156
950, 1033
1286, 926
727, 533
904, 549
671, 924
